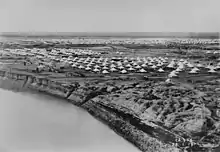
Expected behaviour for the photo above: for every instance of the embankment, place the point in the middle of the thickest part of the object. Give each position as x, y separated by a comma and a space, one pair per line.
124, 124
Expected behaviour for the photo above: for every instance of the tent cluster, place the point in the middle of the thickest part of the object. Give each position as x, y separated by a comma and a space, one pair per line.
41, 53
43, 58
123, 65
192, 68
89, 61
195, 41
140, 65
182, 65
131, 41
213, 52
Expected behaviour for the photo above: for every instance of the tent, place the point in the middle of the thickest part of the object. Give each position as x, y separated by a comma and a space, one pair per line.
131, 69
121, 67
112, 66
105, 72
113, 69
96, 70
81, 67
154, 66
123, 71
138, 67
160, 70
172, 74
96, 66
142, 70
87, 68
105, 68
212, 71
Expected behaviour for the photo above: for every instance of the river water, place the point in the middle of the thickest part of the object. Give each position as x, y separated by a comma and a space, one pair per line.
36, 123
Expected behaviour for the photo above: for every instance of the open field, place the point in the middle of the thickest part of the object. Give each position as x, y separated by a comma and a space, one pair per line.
169, 92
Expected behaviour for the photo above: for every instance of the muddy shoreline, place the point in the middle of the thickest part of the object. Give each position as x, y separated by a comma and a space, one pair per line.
125, 122
114, 119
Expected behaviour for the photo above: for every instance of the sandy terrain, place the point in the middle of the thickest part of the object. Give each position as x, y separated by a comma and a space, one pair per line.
183, 112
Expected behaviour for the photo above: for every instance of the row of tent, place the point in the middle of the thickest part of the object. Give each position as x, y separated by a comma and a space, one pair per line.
107, 65
134, 41
123, 65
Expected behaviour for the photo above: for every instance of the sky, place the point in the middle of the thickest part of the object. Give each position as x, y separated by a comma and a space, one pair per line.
109, 16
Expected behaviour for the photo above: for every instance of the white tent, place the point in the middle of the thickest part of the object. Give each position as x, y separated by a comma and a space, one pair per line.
173, 62
138, 67
105, 72
113, 69
172, 74
217, 67
150, 63
181, 60
159, 64
193, 71
170, 65
121, 67
96, 70
212, 71
199, 65
160, 70
131, 69
209, 67
87, 68
189, 65
139, 61
128, 65
125, 61
96, 66
154, 66
142, 70
81, 67
112, 66
104, 64
144, 65
181, 65
123, 71
179, 69
105, 68
119, 63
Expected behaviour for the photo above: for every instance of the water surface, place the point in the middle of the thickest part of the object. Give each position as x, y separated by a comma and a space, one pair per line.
36, 123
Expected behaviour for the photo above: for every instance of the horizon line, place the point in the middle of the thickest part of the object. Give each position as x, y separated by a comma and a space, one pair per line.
111, 34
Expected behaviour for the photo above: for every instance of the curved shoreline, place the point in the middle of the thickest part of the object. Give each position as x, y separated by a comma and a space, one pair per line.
136, 136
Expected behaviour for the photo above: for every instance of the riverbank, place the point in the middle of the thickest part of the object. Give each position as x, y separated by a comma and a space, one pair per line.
84, 98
